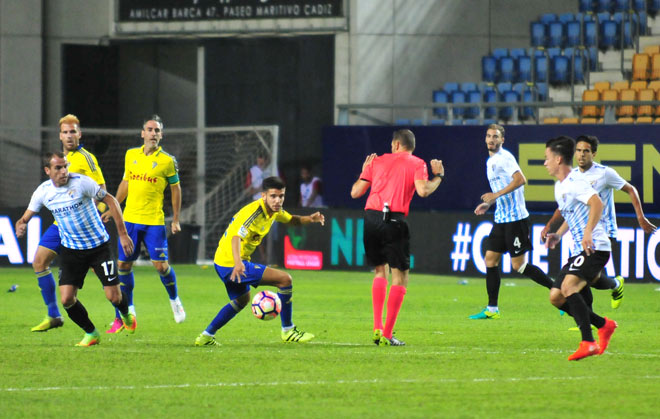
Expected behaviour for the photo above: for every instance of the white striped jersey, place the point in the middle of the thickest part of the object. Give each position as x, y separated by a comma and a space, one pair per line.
500, 168
604, 180
572, 195
74, 210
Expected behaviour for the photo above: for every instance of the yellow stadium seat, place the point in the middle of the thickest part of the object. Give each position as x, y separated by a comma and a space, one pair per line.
611, 96
591, 110
588, 121
654, 85
655, 67
601, 85
651, 49
638, 85
620, 85
625, 120
627, 110
551, 120
570, 120
644, 120
645, 94
640, 66
657, 108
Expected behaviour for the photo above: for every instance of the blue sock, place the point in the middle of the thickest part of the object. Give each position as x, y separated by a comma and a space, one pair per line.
47, 285
224, 315
285, 295
127, 281
169, 280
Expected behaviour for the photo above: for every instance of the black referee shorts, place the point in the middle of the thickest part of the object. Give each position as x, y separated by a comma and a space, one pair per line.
74, 265
387, 242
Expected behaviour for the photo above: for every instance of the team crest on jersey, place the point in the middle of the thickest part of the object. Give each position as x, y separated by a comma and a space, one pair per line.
162, 255
71, 192
134, 161
154, 164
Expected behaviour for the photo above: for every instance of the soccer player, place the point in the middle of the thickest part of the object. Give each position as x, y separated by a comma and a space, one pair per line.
80, 161
581, 207
147, 171
604, 180
245, 232
510, 232
393, 179
85, 241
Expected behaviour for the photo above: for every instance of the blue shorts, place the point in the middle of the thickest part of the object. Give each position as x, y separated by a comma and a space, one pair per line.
253, 274
153, 237
51, 239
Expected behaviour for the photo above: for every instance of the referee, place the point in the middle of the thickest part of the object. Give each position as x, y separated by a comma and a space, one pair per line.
393, 179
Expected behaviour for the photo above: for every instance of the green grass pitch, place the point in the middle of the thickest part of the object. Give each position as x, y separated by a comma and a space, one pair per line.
451, 367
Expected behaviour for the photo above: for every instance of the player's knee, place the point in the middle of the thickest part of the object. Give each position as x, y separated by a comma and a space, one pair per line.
67, 300
240, 302
162, 268
556, 298
285, 280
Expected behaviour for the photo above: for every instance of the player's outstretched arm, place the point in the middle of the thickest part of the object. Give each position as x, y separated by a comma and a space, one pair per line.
518, 180
554, 220
644, 223
21, 224
424, 187
115, 212
298, 220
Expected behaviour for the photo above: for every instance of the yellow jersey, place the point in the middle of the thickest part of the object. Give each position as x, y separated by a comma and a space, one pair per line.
251, 224
147, 177
83, 162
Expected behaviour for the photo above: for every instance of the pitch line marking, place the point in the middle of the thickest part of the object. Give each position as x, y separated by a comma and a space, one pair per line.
302, 383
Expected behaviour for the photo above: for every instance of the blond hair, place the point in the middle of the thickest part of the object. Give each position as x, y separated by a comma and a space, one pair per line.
69, 119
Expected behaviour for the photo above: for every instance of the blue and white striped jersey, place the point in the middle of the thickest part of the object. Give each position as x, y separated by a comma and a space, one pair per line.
604, 180
73, 207
500, 168
572, 195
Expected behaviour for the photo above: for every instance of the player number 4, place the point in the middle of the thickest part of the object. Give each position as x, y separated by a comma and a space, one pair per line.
516, 242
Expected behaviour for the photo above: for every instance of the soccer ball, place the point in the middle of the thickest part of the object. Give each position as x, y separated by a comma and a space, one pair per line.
266, 305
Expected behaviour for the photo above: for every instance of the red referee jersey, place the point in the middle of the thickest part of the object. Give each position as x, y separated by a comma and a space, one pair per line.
392, 177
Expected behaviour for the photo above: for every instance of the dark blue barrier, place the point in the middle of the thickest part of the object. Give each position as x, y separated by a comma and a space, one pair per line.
634, 151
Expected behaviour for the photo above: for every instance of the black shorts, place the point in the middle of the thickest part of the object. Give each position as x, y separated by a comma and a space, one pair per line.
74, 265
387, 242
510, 237
584, 267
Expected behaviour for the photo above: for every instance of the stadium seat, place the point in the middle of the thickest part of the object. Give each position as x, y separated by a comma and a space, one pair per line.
402, 122
523, 69
620, 5
537, 34
576, 63
573, 34
548, 17
516, 53
640, 67
500, 52
623, 29
471, 121
626, 120
627, 110
488, 68
473, 96
638, 85
602, 85
608, 34
588, 121
490, 96
553, 52
518, 88
644, 120
468, 86
440, 96
651, 49
559, 67
554, 34
639, 5
591, 110
653, 6
437, 122
505, 66
585, 6
570, 120
457, 96
450, 87
620, 85
566, 17
603, 6
657, 97
592, 52
527, 112
509, 96
610, 96
542, 90
551, 120
590, 34
655, 67
503, 87
645, 94
654, 85
541, 68
489, 121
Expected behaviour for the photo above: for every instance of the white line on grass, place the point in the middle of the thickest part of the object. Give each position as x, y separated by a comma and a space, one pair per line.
305, 383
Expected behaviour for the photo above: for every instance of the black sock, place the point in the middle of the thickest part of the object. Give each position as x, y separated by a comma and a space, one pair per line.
79, 316
604, 282
588, 297
566, 309
580, 313
123, 305
537, 276
493, 285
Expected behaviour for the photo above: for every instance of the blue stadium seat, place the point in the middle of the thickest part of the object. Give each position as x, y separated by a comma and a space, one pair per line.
519, 88
524, 69
503, 87
566, 17
468, 86
593, 58
585, 6
540, 68
622, 21
619, 5
508, 96
505, 66
490, 121
473, 96
402, 121
555, 34
608, 34
527, 112
471, 121
639, 5
488, 68
548, 17
643, 23
573, 34
516, 53
440, 96
500, 52
437, 122
450, 87
559, 66
542, 91
590, 34
576, 64
537, 33
603, 6
653, 7
553, 52
457, 96
417, 122
490, 96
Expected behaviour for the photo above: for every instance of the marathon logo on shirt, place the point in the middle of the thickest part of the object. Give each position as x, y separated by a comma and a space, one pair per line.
143, 177
67, 209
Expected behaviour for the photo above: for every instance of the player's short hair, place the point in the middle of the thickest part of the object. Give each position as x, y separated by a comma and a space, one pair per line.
47, 157
154, 118
273, 182
498, 127
564, 147
592, 140
69, 119
406, 138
